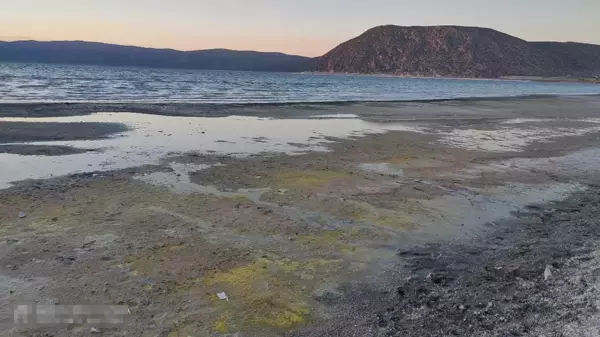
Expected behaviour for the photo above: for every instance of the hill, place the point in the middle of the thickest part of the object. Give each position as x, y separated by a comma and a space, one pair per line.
458, 51
79, 52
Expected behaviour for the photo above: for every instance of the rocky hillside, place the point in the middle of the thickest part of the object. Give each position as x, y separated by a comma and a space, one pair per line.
79, 52
458, 51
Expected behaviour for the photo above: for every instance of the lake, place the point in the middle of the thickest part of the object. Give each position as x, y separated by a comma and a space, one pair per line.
77, 83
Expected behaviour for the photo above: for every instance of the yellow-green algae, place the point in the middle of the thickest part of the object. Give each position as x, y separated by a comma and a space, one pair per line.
368, 214
337, 239
269, 292
306, 180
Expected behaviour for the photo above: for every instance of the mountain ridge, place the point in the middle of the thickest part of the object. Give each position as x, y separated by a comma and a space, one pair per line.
99, 53
457, 51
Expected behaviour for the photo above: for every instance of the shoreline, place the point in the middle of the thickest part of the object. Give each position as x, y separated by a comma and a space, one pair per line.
557, 79
415, 219
57, 109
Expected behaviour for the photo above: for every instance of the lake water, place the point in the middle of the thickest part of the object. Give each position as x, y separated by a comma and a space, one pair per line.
71, 83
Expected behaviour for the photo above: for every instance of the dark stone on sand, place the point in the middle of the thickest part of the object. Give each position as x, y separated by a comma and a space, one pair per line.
41, 150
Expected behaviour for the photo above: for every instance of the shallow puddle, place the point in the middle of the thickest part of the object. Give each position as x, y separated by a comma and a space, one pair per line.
382, 168
468, 209
153, 137
514, 135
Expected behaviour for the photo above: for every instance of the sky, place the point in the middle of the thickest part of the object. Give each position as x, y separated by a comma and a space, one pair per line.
302, 27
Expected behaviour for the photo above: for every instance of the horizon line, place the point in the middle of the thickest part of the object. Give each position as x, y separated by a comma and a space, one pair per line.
145, 47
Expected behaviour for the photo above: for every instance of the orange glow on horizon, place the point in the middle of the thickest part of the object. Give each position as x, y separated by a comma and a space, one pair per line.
164, 38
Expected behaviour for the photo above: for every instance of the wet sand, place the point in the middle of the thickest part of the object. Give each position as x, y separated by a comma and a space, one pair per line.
40, 150
12, 132
457, 218
30, 131
501, 107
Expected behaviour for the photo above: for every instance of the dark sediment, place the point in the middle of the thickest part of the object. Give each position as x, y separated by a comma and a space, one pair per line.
41, 150
437, 109
16, 132
531, 276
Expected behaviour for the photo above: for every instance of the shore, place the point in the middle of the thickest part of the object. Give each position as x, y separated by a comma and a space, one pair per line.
364, 109
566, 79
466, 218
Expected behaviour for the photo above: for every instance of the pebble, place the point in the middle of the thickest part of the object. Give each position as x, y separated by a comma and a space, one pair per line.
547, 273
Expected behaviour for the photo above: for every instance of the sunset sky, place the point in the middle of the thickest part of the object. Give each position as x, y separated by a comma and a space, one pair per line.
304, 27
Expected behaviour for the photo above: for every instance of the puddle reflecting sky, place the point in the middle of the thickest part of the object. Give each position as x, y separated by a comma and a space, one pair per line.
153, 137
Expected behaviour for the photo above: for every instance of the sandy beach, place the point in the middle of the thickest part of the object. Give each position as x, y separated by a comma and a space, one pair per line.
442, 218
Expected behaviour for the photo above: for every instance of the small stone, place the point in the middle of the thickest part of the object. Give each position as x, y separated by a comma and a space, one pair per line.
22, 215
547, 273
94, 330
55, 219
223, 296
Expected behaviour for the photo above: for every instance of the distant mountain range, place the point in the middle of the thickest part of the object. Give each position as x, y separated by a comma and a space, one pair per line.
79, 52
458, 51
415, 51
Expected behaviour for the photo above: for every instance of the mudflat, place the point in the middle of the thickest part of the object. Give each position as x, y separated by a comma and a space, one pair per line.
465, 218
12, 132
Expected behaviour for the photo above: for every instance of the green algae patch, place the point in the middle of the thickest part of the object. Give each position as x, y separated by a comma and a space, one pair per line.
154, 257
306, 180
221, 325
338, 240
267, 293
410, 161
41, 216
179, 265
241, 198
392, 219
188, 328
345, 243
401, 159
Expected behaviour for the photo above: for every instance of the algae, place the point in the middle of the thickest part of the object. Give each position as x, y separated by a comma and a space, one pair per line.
270, 292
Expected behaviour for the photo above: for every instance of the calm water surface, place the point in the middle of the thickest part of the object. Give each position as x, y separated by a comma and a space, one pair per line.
72, 83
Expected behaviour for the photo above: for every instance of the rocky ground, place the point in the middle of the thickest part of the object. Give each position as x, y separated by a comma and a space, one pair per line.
536, 275
465, 231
